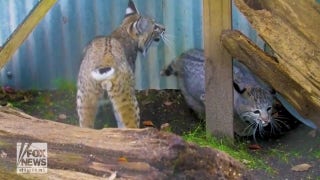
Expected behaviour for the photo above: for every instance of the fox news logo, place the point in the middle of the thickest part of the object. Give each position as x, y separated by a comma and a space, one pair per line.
32, 157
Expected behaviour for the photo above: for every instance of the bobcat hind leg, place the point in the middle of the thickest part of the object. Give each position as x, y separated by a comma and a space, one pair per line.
87, 105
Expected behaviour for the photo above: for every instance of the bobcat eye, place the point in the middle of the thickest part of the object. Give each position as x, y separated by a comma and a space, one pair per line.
269, 108
256, 112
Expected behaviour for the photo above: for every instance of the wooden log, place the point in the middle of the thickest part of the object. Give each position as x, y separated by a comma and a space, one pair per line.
271, 70
22, 32
291, 29
218, 69
124, 153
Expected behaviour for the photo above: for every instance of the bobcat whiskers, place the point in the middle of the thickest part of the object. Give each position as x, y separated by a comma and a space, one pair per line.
168, 39
278, 122
255, 127
273, 127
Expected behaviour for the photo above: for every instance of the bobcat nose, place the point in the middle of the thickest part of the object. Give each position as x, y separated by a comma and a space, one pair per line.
160, 27
264, 121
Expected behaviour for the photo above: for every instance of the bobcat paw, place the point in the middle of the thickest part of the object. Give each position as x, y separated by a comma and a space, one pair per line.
101, 74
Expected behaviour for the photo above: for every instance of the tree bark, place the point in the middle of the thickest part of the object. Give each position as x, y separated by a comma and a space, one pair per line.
75, 152
291, 29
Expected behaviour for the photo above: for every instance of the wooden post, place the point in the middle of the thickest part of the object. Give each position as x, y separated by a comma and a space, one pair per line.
218, 69
24, 29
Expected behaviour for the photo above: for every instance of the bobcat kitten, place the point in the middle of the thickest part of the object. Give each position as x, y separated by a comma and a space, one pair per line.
189, 69
109, 64
253, 100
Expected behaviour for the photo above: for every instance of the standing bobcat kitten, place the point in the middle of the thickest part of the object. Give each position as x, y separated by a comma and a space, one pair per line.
109, 64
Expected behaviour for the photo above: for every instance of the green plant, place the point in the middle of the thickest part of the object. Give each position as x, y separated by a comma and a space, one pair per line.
317, 154
237, 150
63, 84
284, 155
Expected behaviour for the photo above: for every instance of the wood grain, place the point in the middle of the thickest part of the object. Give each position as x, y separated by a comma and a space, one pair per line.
218, 68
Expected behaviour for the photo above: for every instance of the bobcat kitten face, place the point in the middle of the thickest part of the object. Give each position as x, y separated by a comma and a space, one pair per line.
145, 30
254, 106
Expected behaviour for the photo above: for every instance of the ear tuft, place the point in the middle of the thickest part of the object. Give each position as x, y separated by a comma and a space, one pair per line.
131, 9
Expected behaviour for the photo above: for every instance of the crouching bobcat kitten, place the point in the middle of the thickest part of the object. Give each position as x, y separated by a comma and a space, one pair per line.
109, 64
253, 100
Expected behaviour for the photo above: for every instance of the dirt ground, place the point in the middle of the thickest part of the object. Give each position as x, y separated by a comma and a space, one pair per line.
299, 146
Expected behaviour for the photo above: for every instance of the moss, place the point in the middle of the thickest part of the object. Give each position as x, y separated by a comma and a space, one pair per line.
68, 158
237, 150
4, 145
316, 154
5, 174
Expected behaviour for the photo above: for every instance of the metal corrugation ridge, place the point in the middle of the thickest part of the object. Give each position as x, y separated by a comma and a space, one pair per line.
52, 53
183, 21
240, 22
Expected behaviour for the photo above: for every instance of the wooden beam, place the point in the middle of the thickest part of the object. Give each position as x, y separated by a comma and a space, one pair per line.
24, 29
218, 68
282, 24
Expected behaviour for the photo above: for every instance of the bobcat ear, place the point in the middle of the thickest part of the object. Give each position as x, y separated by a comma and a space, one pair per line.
237, 88
141, 25
273, 91
131, 9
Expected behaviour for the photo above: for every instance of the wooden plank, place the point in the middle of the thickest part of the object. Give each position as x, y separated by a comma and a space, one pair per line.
218, 67
282, 24
24, 29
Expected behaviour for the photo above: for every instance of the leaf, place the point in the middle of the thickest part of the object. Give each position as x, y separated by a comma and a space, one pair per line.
62, 116
301, 167
122, 159
165, 127
9, 90
148, 123
168, 103
255, 147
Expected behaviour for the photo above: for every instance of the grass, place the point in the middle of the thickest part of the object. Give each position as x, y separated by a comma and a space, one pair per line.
49, 104
316, 154
5, 174
283, 155
65, 85
237, 150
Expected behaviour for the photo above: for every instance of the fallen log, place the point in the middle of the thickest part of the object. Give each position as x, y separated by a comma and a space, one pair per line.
75, 152
291, 29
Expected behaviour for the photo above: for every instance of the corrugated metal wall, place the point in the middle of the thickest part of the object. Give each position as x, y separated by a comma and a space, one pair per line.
52, 52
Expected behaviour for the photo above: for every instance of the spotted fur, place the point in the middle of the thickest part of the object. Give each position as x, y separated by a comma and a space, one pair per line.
253, 100
109, 64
